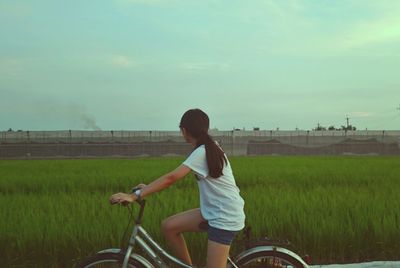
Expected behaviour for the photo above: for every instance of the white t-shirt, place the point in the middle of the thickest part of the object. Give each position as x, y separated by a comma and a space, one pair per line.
220, 202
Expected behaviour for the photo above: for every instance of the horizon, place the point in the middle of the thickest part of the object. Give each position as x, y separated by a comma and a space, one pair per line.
211, 130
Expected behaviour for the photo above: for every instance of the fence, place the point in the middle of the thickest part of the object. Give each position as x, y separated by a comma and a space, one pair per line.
31, 144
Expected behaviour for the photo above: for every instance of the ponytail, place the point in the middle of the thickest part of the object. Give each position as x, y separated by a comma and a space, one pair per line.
214, 154
196, 123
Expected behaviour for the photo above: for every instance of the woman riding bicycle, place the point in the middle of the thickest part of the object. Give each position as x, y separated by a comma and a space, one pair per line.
220, 203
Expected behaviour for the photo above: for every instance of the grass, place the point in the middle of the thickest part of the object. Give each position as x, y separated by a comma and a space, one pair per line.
337, 209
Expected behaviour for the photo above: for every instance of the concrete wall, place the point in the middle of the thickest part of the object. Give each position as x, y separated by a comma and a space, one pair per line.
32, 144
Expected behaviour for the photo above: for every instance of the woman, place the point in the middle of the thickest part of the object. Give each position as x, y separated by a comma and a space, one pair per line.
220, 203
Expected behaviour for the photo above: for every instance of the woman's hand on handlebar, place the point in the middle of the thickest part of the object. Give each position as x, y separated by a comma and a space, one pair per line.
122, 198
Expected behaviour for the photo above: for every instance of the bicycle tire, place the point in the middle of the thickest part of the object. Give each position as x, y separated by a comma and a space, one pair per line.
269, 259
108, 260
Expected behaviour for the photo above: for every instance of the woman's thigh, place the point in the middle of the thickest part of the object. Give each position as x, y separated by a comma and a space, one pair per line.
187, 221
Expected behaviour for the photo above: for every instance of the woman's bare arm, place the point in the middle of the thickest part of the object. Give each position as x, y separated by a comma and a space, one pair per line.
161, 183
166, 180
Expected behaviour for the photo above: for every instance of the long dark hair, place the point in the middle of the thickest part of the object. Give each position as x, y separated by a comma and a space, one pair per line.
197, 123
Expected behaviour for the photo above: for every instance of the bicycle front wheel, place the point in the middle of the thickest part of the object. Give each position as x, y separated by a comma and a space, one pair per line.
270, 259
108, 260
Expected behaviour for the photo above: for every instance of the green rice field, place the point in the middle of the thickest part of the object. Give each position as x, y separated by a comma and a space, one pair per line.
336, 209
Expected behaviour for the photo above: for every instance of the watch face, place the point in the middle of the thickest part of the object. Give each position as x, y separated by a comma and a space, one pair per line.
138, 192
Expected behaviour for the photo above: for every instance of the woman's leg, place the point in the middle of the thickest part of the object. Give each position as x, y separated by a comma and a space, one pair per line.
217, 254
174, 226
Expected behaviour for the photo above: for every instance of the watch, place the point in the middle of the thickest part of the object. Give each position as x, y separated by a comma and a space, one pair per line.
138, 193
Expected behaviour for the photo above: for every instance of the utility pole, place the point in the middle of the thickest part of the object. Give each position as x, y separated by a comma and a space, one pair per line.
347, 119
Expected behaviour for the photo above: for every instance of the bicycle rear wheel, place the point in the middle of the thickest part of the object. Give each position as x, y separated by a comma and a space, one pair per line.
108, 260
269, 259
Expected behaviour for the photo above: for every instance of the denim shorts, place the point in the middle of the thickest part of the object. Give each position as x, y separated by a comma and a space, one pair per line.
221, 236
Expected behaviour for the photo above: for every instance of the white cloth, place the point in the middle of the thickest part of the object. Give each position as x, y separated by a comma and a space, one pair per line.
220, 202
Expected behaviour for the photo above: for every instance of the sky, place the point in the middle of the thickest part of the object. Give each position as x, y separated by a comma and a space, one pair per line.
140, 64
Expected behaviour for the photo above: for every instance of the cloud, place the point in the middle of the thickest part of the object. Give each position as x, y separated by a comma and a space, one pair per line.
367, 33
300, 28
9, 63
15, 9
147, 2
205, 66
122, 61
361, 114
12, 66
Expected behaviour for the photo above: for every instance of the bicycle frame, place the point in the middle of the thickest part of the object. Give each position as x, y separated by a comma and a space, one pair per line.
147, 244
153, 249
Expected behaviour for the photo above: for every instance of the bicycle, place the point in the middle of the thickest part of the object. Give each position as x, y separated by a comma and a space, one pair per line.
261, 253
